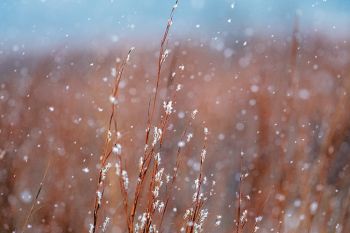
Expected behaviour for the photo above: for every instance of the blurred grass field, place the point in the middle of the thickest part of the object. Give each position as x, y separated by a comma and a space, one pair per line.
277, 112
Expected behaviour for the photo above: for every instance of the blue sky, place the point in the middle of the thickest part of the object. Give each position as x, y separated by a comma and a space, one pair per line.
49, 21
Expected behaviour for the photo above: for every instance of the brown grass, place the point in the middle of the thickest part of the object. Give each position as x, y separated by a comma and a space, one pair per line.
277, 143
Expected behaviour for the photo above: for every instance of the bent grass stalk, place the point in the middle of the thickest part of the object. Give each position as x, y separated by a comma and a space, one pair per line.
41, 185
107, 150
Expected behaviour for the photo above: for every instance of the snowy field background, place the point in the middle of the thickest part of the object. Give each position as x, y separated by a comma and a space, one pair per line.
247, 131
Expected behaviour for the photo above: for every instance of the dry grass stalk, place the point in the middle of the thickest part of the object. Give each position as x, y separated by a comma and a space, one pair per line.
107, 150
41, 185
